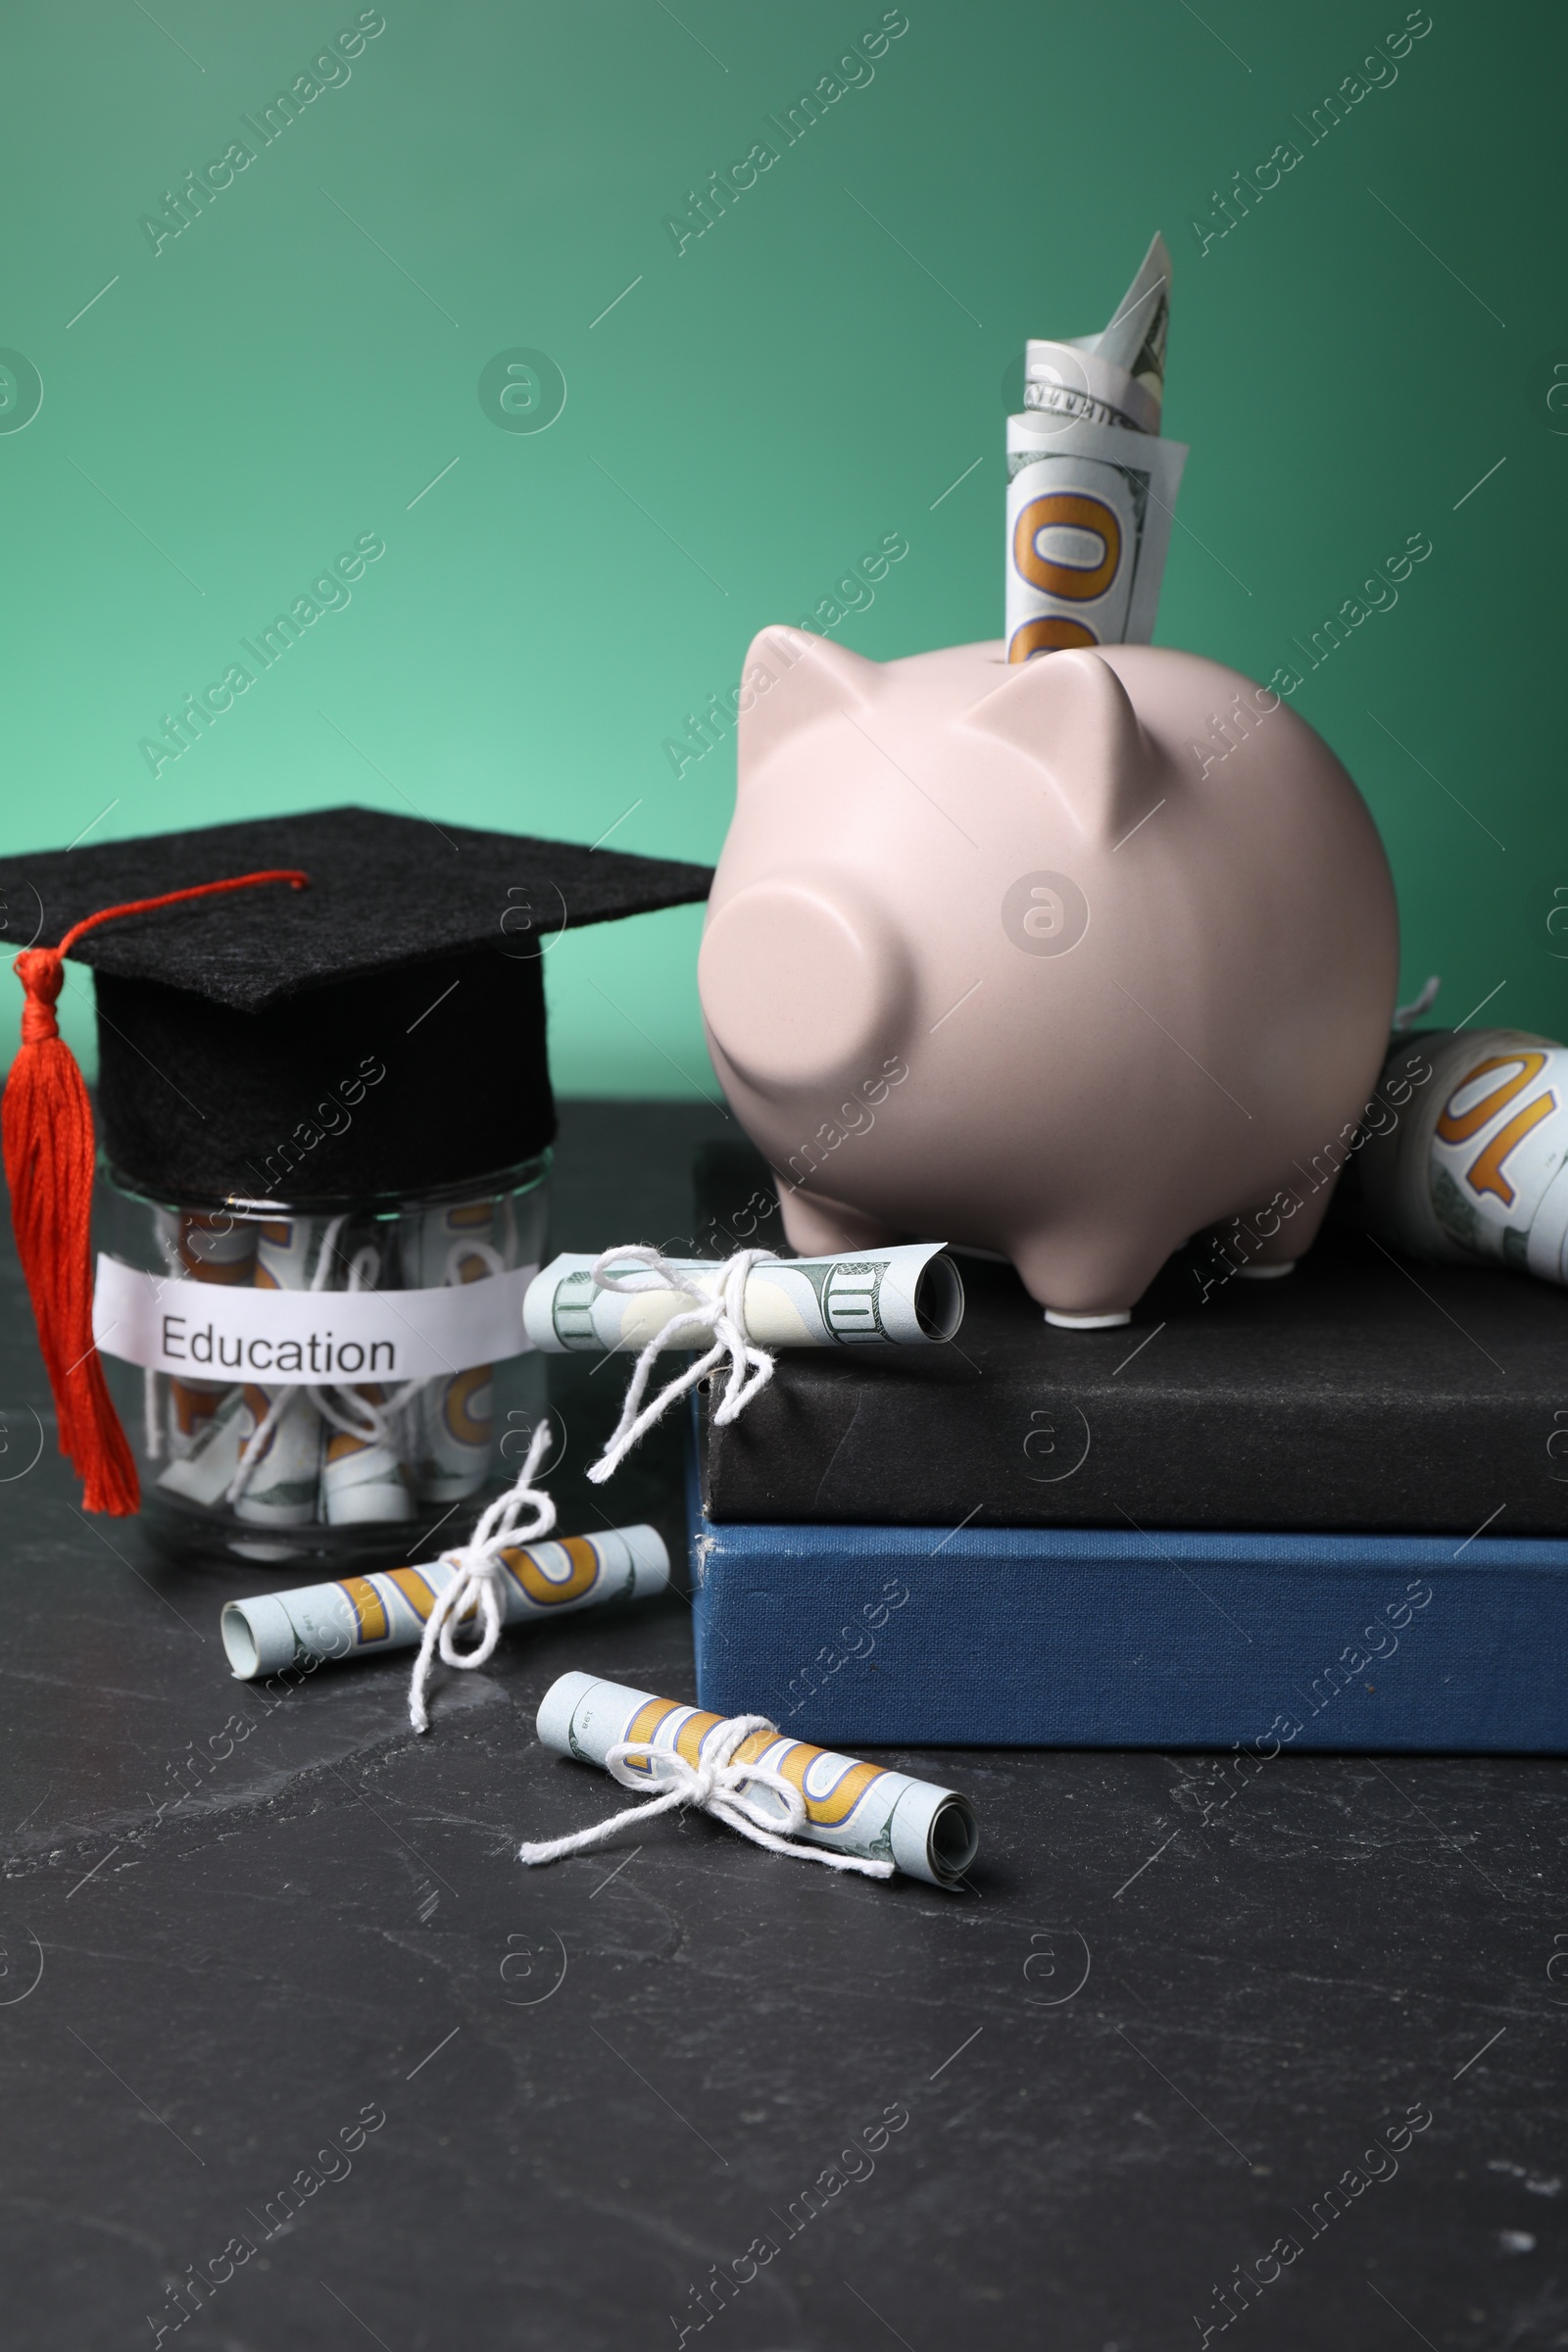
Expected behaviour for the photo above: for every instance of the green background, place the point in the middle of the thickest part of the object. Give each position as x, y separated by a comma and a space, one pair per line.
759, 409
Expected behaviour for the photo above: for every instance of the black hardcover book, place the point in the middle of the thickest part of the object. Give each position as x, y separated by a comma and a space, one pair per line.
1365, 1393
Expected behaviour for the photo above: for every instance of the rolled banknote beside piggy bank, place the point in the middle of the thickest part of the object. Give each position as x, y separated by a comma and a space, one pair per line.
1475, 1165
856, 1809
361, 1616
909, 1296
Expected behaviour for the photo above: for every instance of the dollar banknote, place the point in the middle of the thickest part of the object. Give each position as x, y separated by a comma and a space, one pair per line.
1117, 376
363, 1481
264, 1466
906, 1296
361, 1616
450, 1423
860, 1809
220, 1248
203, 1471
1091, 487
216, 1435
1465, 1150
281, 1469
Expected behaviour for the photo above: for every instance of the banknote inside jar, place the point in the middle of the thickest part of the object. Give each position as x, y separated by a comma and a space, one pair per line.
239, 1461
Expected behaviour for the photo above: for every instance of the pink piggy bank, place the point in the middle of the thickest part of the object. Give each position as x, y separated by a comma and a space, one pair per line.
1067, 961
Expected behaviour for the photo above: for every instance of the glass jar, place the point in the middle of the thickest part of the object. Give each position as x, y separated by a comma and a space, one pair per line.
324, 1383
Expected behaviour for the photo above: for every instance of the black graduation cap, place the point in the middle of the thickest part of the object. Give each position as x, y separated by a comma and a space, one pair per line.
228, 1025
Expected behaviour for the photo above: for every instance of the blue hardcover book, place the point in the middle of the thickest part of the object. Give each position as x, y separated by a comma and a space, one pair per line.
1093, 1637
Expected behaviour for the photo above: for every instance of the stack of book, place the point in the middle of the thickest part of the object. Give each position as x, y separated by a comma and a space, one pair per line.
1325, 1512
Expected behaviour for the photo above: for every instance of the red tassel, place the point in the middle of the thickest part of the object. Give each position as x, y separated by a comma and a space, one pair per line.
49, 1156
49, 1166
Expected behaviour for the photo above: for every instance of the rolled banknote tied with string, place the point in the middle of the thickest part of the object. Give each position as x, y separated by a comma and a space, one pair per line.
362, 1616
277, 1474
1091, 485
449, 1422
1465, 1150
862, 1809
257, 1449
909, 1297
196, 1249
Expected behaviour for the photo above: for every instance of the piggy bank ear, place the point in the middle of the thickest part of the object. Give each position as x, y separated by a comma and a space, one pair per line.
792, 678
1068, 714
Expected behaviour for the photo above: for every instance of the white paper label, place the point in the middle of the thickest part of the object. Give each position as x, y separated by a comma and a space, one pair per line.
289, 1339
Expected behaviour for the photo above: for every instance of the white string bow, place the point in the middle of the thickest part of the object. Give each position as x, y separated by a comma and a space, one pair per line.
720, 1310
477, 1576
714, 1785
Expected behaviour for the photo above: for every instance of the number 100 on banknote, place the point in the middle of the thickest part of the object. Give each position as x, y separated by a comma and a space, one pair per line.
1089, 516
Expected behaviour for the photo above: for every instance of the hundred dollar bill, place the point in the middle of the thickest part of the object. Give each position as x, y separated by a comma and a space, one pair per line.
450, 1423
200, 1424
1117, 376
909, 1296
289, 1253
860, 1809
282, 1474
201, 1473
217, 1248
361, 1478
361, 1616
1091, 486
282, 1484
1473, 1162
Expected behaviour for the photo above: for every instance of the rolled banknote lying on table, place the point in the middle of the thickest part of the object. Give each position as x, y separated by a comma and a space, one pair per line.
855, 1808
1466, 1152
361, 1616
1091, 486
909, 1296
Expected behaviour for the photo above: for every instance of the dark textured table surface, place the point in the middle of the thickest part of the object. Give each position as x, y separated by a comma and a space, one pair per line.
290, 1991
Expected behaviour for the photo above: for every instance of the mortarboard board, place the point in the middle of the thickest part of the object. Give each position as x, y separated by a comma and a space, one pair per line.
224, 1022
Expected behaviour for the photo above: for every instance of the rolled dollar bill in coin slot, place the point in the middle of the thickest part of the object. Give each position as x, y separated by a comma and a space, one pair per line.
361, 1616
1091, 485
860, 1809
1466, 1149
909, 1296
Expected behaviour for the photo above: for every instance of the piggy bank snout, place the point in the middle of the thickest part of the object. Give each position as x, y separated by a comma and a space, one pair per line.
802, 980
